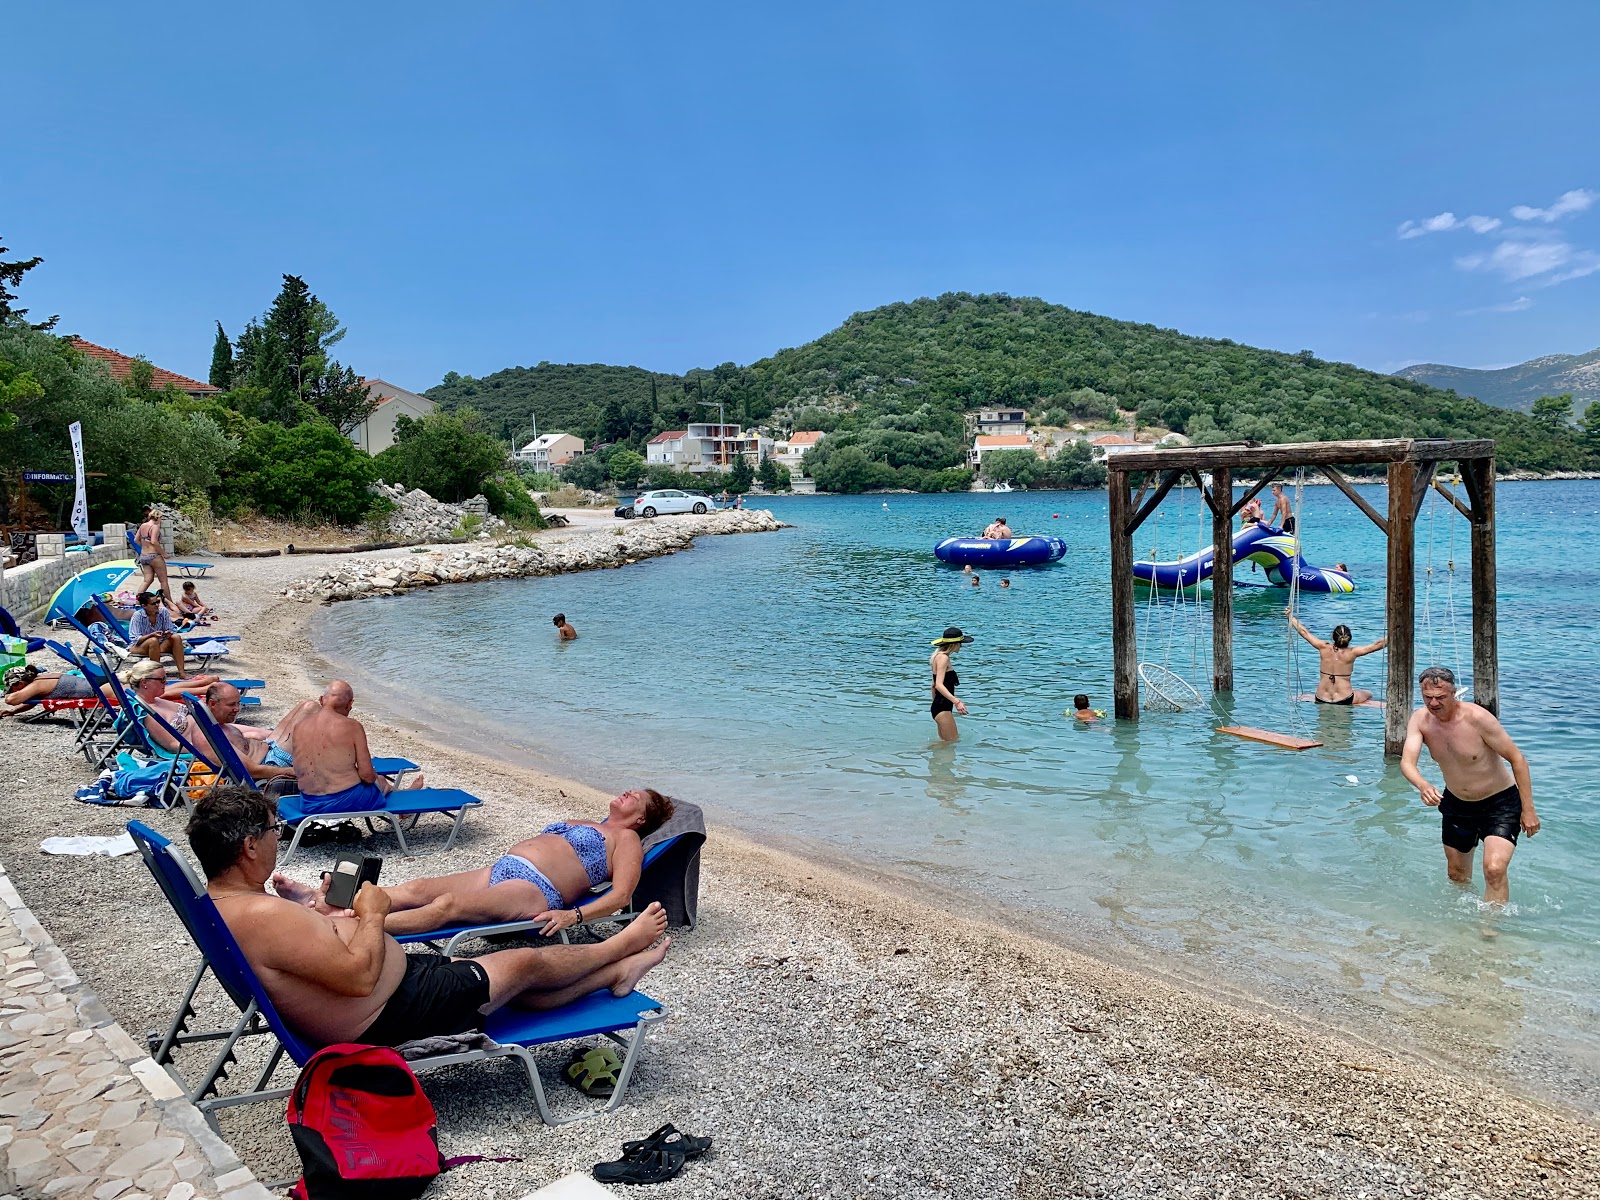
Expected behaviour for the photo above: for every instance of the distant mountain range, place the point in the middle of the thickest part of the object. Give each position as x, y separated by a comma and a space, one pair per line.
1519, 386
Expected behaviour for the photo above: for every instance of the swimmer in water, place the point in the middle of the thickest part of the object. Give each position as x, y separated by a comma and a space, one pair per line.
1338, 663
945, 705
976, 580
567, 631
1081, 710
1005, 583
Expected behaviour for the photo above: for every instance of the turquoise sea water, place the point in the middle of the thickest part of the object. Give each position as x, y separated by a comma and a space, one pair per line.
782, 680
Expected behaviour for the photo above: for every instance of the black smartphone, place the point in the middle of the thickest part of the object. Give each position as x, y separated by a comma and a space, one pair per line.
349, 872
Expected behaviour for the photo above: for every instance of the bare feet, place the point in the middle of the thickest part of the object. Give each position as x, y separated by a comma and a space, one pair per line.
641, 931
413, 784
636, 966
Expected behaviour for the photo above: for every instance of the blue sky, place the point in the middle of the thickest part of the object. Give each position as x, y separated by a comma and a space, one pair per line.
478, 186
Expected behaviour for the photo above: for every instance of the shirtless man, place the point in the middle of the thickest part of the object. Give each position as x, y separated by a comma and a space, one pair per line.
1282, 514
566, 631
340, 978
331, 758
1482, 800
1337, 665
998, 529
263, 756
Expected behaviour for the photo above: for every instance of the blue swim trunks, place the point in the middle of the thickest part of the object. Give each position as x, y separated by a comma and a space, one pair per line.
363, 797
514, 866
277, 756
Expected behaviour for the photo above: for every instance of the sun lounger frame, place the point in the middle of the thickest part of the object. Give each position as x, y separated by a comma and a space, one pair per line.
598, 1013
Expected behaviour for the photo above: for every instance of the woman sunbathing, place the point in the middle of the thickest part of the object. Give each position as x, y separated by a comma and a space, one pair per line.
546, 877
26, 686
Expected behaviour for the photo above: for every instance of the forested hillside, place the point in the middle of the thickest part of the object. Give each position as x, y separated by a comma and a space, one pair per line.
1576, 375
915, 368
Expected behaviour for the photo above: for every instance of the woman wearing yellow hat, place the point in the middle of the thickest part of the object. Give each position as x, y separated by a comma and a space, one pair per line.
945, 705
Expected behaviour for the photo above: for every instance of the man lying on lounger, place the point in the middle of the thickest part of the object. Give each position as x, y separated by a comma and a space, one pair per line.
331, 759
340, 978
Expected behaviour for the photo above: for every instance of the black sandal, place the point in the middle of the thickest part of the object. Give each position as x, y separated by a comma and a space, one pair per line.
653, 1166
668, 1137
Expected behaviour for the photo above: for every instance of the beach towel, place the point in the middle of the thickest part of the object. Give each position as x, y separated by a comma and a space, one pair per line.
674, 878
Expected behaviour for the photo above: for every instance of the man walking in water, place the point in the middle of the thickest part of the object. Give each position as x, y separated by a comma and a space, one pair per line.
1483, 800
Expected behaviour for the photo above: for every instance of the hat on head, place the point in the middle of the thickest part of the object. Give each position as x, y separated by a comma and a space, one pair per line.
17, 676
952, 635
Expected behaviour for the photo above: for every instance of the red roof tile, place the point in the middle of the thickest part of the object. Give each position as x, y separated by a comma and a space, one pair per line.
1112, 439
670, 435
120, 365
805, 437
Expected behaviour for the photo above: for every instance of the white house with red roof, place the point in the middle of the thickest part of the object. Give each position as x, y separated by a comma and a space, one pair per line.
1103, 446
791, 451
706, 446
988, 443
376, 433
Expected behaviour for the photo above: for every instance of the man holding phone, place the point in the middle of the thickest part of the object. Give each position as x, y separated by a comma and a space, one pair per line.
340, 978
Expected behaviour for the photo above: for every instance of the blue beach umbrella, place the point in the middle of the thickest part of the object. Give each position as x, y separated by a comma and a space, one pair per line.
86, 585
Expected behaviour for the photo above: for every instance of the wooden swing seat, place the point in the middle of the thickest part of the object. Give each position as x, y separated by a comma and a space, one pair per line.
1286, 741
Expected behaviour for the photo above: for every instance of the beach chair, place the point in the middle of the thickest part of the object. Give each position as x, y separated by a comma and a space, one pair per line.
134, 736
397, 807
624, 1019
120, 627
455, 936
9, 627
104, 638
191, 570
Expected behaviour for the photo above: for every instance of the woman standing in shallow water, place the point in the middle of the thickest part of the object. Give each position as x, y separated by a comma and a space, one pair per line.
945, 705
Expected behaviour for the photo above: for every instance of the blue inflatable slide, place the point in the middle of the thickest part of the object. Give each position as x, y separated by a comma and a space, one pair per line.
1277, 553
1033, 551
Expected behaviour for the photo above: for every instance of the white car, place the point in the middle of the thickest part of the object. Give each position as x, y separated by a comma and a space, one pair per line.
670, 500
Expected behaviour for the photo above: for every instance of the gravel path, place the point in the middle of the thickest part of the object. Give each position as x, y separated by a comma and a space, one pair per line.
839, 1035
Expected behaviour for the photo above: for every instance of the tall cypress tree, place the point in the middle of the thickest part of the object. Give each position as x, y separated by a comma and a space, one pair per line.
221, 361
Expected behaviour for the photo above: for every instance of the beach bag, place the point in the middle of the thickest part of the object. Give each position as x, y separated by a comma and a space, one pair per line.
363, 1127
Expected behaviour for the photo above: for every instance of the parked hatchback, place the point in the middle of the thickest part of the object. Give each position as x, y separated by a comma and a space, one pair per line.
670, 500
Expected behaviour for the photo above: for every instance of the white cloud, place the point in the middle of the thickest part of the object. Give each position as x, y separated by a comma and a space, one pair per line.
1445, 222
1585, 262
1575, 201
1519, 258
1520, 304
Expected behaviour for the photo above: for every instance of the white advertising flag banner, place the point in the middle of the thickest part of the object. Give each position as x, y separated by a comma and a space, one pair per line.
80, 502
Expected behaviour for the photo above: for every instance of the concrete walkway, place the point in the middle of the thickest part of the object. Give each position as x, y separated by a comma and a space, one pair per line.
84, 1110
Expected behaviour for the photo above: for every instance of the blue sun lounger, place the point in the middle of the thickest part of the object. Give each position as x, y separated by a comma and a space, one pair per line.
624, 1019
397, 806
120, 627
103, 637
191, 570
454, 936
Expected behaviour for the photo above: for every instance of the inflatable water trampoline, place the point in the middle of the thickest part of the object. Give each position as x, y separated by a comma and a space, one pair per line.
1032, 551
1276, 552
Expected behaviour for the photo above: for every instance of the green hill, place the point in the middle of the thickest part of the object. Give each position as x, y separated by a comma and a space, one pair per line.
900, 378
1519, 386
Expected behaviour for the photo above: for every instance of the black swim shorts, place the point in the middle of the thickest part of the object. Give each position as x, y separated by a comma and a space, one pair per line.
437, 996
1468, 822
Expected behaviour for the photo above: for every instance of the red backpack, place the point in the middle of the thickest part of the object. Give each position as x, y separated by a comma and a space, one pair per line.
363, 1127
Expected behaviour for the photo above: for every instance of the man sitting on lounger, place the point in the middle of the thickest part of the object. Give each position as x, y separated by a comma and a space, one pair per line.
340, 978
331, 758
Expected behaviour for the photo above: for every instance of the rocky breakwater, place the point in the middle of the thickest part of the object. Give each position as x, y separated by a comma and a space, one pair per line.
417, 517
612, 546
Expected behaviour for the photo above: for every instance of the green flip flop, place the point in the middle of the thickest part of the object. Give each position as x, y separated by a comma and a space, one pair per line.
593, 1071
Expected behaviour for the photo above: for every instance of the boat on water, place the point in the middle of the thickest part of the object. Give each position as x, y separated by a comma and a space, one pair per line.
1002, 487
1032, 551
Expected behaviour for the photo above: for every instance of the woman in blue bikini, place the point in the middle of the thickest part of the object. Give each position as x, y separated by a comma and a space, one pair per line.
545, 876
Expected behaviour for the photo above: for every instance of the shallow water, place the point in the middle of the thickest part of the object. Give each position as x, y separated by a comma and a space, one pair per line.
783, 678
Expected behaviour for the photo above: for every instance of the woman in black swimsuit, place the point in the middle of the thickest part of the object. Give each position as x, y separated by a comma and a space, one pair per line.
1338, 663
945, 705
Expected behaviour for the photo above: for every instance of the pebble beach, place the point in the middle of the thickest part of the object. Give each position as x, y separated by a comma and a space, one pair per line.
838, 1031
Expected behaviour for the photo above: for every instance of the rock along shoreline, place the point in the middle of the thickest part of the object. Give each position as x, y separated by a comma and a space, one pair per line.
609, 546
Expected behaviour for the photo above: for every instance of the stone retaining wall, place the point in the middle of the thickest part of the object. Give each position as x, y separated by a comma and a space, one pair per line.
26, 590
84, 1111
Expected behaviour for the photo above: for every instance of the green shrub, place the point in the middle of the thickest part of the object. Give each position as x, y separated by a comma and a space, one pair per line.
509, 500
447, 455
308, 470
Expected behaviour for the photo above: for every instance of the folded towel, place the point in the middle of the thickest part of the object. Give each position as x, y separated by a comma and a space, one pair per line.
450, 1043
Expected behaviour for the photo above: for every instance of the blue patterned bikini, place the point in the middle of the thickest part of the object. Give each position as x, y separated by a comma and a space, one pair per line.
586, 841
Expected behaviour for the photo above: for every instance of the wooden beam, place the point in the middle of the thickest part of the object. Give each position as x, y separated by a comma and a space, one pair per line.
1448, 494
1424, 481
1124, 633
1284, 741
1205, 493
1144, 486
1167, 480
1402, 606
1221, 580
1485, 633
1260, 485
1306, 454
1470, 483
1344, 485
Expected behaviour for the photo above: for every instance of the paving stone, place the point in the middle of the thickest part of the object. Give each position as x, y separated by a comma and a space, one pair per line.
68, 1185
134, 1134
49, 1066
122, 1113
24, 1151
61, 1081
27, 1023
157, 1179
160, 1085
126, 1091
122, 1047
84, 1114
111, 1188
89, 1158
17, 1103
233, 1179
146, 1155
181, 1191
188, 1167
23, 980
88, 1092
86, 1138
32, 1119
82, 1035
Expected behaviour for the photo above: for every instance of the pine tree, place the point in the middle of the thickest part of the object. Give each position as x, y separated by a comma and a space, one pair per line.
289, 322
11, 274
221, 361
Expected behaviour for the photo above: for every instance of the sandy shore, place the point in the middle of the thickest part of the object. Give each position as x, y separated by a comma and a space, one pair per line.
837, 1036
